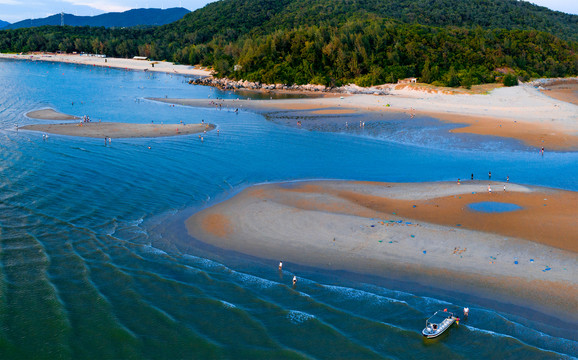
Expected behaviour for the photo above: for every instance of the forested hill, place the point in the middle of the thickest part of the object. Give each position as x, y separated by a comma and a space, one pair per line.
331, 42
135, 17
3, 24
233, 18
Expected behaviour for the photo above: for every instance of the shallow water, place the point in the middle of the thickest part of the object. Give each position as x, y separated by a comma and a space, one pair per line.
493, 207
94, 262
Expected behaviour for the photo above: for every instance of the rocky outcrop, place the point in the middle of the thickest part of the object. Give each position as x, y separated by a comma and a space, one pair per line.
228, 84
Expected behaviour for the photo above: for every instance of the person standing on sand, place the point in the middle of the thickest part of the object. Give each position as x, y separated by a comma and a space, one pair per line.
489, 189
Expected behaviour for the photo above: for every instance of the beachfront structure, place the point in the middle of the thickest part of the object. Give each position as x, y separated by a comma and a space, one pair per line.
407, 80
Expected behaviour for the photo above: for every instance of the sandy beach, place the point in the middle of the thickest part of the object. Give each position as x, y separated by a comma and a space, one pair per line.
108, 129
567, 91
119, 130
520, 112
50, 114
117, 63
424, 232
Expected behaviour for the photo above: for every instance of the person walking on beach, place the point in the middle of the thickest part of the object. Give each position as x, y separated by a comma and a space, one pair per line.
489, 189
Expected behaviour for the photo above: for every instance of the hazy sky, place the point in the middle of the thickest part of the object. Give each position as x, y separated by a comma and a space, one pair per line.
16, 10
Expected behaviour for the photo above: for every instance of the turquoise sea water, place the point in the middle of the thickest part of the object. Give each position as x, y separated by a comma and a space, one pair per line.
95, 263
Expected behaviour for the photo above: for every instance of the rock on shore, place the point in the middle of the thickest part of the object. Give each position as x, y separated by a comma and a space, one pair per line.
228, 84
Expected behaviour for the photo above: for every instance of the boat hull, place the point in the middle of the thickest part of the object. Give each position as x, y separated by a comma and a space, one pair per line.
430, 333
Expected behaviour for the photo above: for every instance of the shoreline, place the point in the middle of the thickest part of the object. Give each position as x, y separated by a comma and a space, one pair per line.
522, 113
115, 63
350, 226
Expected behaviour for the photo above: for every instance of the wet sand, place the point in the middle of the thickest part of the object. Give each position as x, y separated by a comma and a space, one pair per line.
119, 130
567, 92
521, 112
50, 114
423, 232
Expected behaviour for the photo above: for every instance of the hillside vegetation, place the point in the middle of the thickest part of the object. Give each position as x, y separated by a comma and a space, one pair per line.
331, 42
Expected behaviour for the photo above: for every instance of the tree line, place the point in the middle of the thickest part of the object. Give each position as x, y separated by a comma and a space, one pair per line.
327, 42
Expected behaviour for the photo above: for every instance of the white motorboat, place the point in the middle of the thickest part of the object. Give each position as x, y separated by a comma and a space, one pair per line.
438, 323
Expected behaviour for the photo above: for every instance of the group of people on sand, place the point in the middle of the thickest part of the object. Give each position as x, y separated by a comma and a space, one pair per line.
489, 178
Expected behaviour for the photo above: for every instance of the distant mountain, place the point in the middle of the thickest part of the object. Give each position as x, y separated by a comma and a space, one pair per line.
3, 24
130, 18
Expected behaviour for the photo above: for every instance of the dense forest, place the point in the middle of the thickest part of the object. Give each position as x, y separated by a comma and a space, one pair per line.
332, 42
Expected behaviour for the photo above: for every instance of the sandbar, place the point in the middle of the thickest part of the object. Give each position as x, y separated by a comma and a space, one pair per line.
567, 91
117, 63
521, 112
50, 114
422, 232
119, 130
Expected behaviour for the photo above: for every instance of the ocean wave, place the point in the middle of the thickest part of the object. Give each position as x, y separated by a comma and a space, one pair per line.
227, 305
571, 344
362, 295
299, 317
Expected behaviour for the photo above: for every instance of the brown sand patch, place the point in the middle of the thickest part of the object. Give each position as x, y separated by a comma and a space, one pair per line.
567, 92
333, 111
533, 134
292, 105
546, 217
217, 225
551, 222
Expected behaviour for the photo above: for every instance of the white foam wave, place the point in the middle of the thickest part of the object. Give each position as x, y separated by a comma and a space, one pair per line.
227, 305
500, 335
153, 250
247, 279
206, 263
299, 317
362, 295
